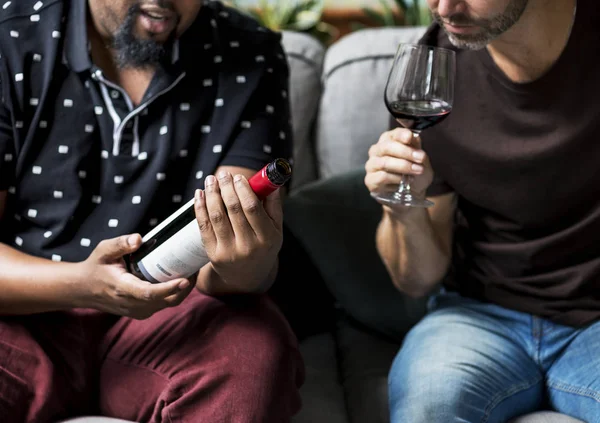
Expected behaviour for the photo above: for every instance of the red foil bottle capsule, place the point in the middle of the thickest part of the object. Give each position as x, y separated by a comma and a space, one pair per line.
270, 177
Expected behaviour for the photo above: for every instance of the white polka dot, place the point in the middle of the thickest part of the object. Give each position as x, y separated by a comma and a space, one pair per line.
177, 198
34, 18
246, 124
19, 241
199, 174
86, 84
32, 213
183, 153
224, 14
234, 44
18, 77
136, 199
142, 156
270, 109
8, 157
14, 34
43, 124
63, 149
37, 57
5, 5
17, 218
19, 124
85, 242
96, 199
145, 112
12, 190
207, 82
89, 129
153, 222
269, 70
164, 130
260, 58
206, 129
184, 107
219, 102
55, 34
58, 194
207, 46
282, 135
284, 94
37, 170
217, 148
267, 149
280, 56
34, 101
82, 174
104, 154
38, 5
47, 234
118, 179
68, 102
213, 23
98, 110
161, 176
241, 79
113, 223
218, 59
56, 257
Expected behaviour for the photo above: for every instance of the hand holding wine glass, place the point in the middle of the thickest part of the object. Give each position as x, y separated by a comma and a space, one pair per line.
419, 94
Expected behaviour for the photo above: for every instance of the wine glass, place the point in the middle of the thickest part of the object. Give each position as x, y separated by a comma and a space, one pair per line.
419, 94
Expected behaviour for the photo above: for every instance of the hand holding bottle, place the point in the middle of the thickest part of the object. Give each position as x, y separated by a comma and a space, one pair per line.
106, 285
242, 235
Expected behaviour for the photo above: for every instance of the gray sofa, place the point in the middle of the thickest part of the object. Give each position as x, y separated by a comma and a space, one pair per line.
338, 112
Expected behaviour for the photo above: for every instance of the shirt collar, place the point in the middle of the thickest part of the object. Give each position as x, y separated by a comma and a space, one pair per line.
76, 52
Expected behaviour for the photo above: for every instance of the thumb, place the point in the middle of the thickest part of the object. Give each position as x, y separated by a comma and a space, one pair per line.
115, 248
273, 207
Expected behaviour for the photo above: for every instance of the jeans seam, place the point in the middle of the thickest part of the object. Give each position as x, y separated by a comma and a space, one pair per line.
504, 395
571, 389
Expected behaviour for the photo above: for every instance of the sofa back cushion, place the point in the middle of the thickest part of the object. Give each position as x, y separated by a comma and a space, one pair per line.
305, 58
352, 114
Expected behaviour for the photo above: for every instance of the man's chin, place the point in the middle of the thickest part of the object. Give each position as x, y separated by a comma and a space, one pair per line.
468, 42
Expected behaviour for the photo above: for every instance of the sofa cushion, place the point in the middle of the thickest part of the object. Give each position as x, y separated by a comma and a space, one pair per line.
305, 58
352, 113
335, 220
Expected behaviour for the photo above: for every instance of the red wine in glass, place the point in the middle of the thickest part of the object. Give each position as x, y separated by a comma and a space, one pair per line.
419, 94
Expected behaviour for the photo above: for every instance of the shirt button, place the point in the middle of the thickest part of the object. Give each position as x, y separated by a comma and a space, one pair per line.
114, 94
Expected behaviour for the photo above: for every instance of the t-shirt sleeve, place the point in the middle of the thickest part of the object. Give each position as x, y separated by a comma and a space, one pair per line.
439, 186
7, 153
265, 131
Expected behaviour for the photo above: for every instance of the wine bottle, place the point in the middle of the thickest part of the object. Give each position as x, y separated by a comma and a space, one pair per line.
174, 249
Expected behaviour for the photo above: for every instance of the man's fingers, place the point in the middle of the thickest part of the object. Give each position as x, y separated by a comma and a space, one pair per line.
148, 292
209, 239
233, 204
115, 248
217, 213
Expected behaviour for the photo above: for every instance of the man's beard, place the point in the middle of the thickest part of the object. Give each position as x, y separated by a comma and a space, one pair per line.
490, 29
134, 52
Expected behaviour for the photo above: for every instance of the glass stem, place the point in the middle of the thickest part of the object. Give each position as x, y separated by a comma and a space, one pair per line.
404, 190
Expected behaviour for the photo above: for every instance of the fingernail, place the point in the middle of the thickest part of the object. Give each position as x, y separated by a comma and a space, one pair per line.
132, 240
237, 178
184, 284
417, 168
222, 174
209, 181
419, 155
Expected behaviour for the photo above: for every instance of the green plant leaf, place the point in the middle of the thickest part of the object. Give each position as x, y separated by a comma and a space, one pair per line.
388, 13
374, 15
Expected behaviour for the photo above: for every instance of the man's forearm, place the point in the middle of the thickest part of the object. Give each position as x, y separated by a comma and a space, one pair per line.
209, 282
30, 285
412, 252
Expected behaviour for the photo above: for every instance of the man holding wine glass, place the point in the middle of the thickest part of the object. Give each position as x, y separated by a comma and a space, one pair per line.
502, 215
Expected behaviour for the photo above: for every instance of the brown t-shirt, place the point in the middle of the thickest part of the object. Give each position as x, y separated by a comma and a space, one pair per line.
524, 160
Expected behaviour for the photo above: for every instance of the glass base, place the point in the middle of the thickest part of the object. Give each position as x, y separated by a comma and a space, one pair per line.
401, 199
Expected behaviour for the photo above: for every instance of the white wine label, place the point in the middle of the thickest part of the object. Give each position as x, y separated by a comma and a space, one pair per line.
180, 256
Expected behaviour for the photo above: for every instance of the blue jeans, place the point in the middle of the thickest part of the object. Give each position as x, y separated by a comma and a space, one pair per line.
469, 361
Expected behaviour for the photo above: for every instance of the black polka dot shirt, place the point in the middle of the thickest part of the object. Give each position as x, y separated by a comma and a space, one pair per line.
81, 163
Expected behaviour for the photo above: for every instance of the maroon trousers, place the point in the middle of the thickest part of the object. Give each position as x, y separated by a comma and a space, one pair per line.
207, 360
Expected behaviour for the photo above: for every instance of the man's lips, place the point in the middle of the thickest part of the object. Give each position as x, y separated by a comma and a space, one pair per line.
157, 20
459, 28
157, 13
